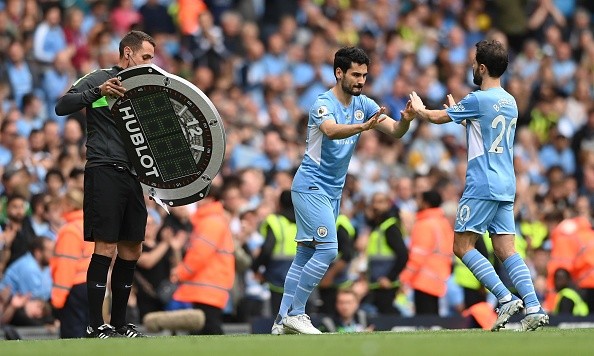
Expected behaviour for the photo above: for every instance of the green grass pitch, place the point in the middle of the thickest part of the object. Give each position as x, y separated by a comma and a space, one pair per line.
548, 341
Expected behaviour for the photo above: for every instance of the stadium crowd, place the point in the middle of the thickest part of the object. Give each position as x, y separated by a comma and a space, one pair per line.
263, 63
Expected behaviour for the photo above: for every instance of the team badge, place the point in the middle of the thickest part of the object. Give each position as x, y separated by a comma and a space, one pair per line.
322, 110
322, 231
359, 115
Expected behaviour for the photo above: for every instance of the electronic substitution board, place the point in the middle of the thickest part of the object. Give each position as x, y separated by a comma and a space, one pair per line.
173, 134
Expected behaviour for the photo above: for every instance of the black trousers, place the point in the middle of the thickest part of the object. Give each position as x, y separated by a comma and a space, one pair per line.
426, 304
589, 298
383, 300
473, 296
74, 317
328, 298
213, 323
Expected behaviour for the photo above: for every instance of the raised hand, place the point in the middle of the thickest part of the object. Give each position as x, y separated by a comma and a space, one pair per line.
416, 102
451, 102
375, 120
408, 114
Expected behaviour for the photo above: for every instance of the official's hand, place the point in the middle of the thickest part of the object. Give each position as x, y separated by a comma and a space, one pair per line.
416, 102
112, 87
408, 114
375, 120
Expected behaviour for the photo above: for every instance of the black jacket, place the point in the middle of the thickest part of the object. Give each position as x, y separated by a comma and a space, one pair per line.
104, 143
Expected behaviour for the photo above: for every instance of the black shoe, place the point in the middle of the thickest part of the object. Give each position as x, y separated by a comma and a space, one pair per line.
129, 330
104, 331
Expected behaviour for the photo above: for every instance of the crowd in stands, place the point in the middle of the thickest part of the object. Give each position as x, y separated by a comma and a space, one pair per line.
262, 63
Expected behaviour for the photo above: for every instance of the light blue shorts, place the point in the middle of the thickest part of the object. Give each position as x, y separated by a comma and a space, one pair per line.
479, 215
316, 217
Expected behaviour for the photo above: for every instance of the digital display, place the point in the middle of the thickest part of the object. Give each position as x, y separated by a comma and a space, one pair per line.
166, 139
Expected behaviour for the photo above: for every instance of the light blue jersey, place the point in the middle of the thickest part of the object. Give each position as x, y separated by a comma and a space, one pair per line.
325, 164
491, 117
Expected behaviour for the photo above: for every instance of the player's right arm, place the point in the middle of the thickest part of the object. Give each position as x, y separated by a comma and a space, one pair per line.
434, 116
85, 91
336, 131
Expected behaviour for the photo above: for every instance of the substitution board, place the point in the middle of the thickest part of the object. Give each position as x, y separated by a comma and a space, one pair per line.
173, 134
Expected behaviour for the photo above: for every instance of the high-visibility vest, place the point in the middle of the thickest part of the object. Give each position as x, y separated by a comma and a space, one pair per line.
464, 277
580, 308
583, 265
71, 258
566, 242
207, 272
537, 231
430, 257
285, 248
380, 255
341, 279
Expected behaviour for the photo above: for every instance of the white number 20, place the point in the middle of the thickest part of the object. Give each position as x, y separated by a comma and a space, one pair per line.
500, 121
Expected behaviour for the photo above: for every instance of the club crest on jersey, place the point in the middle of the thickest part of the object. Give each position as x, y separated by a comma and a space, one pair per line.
322, 231
359, 115
322, 110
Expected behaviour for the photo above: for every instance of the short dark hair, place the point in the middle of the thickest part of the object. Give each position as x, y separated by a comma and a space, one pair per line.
54, 172
493, 55
433, 198
37, 244
345, 57
134, 40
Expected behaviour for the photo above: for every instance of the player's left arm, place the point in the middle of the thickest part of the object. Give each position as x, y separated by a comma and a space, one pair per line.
397, 128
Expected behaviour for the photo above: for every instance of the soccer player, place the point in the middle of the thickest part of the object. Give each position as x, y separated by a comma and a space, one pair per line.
490, 116
114, 208
335, 123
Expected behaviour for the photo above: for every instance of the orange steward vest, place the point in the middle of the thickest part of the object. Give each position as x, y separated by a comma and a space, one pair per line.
207, 273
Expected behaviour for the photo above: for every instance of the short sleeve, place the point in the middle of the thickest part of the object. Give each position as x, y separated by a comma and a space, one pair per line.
321, 111
371, 107
466, 109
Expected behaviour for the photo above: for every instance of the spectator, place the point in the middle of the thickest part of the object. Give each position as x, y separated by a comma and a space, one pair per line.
68, 268
155, 18
568, 300
49, 38
20, 73
386, 252
348, 317
207, 271
337, 275
278, 249
32, 118
18, 234
76, 40
429, 262
56, 81
123, 17
30, 274
161, 253
558, 152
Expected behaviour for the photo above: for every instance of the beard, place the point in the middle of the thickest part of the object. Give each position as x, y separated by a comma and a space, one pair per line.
351, 90
476, 78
